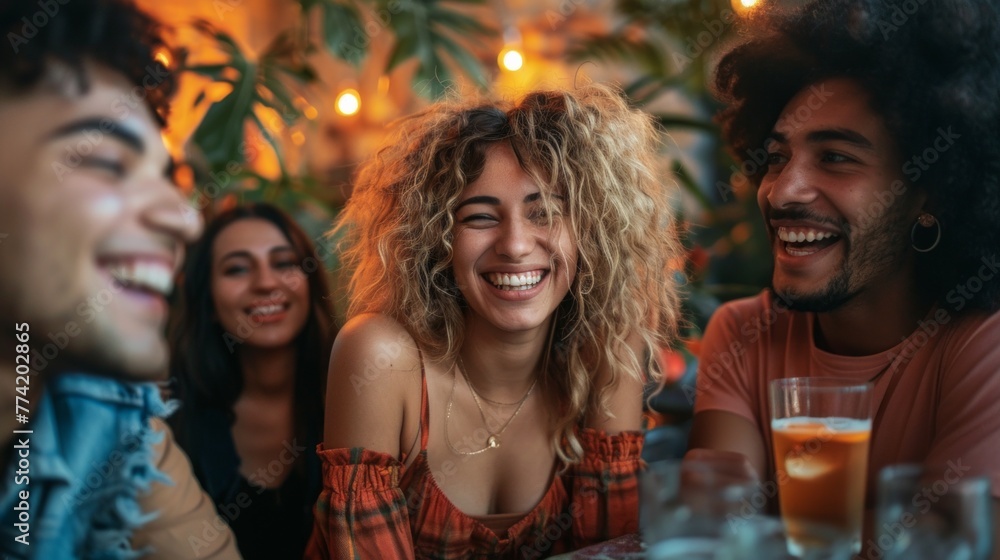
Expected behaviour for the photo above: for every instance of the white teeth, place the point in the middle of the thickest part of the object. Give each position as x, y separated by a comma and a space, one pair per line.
808, 235
152, 276
266, 309
523, 281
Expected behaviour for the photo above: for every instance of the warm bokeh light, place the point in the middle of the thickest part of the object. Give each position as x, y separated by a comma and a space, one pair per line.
511, 59
163, 57
740, 233
298, 138
745, 7
310, 112
348, 102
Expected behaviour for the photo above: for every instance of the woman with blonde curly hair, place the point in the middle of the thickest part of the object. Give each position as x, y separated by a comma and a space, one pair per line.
510, 277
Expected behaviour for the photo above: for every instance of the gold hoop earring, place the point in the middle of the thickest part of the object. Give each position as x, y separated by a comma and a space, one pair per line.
925, 221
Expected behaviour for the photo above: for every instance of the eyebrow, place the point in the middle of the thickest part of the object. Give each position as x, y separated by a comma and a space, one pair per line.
494, 201
120, 133
829, 135
243, 253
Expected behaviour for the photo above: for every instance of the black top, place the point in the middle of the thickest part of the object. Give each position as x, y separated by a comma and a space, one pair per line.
268, 523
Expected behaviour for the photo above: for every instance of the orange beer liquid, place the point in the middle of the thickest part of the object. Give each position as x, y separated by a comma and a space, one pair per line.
822, 464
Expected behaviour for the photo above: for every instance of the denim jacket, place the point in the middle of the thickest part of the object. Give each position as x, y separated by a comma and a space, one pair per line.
89, 457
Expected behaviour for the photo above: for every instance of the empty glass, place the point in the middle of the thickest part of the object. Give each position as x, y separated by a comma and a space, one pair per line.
687, 506
940, 514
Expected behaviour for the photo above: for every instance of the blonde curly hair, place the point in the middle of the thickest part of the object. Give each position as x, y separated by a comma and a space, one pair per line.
588, 146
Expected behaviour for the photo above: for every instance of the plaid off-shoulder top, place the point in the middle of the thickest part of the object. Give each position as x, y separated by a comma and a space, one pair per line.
372, 507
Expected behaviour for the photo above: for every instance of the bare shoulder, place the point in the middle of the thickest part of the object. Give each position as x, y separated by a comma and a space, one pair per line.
374, 371
379, 342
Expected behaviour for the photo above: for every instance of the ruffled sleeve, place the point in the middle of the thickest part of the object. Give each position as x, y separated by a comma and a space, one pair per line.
603, 486
361, 511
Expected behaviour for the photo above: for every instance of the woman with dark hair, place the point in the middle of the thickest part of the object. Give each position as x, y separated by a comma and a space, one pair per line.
249, 347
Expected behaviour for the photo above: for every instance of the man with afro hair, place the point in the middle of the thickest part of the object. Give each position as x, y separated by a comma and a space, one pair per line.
871, 132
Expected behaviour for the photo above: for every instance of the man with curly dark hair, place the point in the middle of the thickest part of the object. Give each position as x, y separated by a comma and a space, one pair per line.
870, 130
92, 232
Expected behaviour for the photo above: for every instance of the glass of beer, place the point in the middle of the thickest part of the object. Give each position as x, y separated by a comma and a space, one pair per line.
821, 430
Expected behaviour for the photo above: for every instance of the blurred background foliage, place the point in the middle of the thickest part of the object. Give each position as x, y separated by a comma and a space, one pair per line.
258, 108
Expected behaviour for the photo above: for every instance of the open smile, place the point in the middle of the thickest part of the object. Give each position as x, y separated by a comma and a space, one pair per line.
517, 281
152, 276
267, 312
516, 286
804, 241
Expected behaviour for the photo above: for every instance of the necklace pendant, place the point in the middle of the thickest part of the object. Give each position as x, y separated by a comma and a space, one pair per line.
493, 441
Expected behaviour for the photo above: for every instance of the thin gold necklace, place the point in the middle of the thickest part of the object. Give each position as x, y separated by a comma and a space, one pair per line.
476, 393
493, 440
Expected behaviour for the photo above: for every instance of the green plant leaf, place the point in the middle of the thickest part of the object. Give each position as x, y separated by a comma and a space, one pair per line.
468, 63
459, 22
275, 145
689, 185
220, 133
422, 30
683, 121
343, 30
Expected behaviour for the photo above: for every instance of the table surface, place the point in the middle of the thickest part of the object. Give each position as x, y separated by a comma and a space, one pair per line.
626, 547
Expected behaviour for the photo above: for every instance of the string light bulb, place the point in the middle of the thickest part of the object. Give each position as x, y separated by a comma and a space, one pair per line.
348, 102
745, 6
510, 59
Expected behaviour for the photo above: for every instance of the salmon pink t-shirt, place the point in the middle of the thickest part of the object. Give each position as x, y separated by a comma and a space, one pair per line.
938, 392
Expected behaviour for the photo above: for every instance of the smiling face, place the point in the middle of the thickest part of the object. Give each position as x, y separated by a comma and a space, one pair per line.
95, 228
833, 199
260, 292
512, 264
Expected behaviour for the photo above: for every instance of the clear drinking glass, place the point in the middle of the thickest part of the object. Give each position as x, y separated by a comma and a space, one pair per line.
821, 430
687, 507
940, 514
765, 538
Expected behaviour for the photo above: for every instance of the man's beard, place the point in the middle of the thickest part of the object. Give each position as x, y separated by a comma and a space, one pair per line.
836, 294
864, 259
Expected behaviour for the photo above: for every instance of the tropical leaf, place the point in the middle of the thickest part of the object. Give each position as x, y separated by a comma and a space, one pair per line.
641, 52
689, 184
683, 121
426, 30
343, 29
468, 63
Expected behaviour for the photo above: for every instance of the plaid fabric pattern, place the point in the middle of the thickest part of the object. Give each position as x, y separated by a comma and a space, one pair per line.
373, 508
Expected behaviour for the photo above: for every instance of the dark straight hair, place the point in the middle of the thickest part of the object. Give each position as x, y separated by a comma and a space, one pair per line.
205, 361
